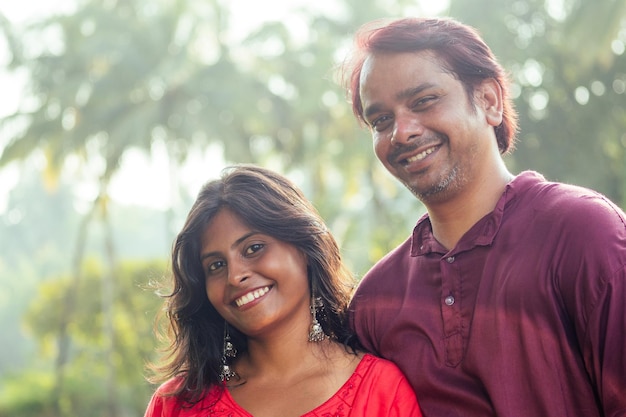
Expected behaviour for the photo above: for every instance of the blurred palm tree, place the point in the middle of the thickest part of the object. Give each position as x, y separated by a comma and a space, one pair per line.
113, 76
125, 74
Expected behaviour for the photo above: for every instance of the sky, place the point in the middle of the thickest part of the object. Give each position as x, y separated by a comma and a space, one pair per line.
141, 178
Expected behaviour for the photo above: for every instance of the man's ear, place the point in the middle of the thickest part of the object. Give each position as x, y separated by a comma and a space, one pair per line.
488, 97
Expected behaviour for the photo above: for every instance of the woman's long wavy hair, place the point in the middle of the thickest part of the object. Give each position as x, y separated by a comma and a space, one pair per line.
273, 205
460, 48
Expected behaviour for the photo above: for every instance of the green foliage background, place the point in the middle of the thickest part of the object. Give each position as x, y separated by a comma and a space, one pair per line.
118, 76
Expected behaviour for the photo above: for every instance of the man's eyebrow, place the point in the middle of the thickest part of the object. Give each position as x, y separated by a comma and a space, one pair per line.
402, 95
410, 92
374, 108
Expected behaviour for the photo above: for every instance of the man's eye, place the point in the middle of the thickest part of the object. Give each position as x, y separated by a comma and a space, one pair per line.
424, 101
253, 248
380, 123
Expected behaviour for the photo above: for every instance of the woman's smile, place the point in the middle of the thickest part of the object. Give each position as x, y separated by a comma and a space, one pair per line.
251, 296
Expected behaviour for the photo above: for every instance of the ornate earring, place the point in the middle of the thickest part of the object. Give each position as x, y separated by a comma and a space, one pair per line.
229, 352
316, 333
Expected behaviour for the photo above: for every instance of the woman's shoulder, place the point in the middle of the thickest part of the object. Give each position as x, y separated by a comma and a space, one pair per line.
376, 388
374, 364
168, 393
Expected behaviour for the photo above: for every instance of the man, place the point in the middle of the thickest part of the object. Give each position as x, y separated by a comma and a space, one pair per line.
509, 297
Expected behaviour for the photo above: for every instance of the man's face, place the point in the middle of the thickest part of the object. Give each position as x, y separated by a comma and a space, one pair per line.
426, 131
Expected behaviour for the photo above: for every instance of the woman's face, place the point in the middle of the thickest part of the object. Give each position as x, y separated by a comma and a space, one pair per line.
256, 282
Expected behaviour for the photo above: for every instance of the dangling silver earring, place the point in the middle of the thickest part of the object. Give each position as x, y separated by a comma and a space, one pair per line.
228, 353
316, 333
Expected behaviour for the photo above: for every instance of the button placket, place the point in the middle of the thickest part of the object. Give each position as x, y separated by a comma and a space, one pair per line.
451, 315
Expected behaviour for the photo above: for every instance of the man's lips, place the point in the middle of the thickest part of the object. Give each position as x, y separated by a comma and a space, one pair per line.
420, 156
405, 157
251, 296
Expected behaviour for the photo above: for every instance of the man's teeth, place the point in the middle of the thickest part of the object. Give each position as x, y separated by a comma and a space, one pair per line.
421, 155
251, 296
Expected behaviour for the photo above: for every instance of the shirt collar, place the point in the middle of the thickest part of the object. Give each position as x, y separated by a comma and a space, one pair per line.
483, 232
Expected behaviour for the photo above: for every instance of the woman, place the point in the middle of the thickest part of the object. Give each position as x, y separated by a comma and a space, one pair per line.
257, 313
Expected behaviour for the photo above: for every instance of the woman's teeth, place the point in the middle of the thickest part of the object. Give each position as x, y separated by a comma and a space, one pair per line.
251, 296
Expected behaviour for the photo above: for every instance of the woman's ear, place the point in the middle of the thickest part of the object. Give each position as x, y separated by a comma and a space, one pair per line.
488, 97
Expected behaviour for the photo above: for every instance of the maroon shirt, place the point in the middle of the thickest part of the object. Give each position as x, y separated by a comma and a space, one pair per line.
525, 317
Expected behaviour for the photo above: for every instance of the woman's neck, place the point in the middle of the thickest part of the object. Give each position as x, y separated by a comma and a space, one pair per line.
272, 359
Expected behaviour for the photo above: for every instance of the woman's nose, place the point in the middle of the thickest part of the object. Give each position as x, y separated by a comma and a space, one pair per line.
238, 272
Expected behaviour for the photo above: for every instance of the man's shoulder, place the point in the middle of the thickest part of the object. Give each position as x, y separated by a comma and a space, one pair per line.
564, 200
393, 264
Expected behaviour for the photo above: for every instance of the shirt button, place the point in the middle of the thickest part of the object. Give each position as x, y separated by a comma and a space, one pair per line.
449, 300
450, 259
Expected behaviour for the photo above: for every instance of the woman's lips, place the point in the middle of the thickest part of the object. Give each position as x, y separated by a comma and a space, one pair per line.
251, 296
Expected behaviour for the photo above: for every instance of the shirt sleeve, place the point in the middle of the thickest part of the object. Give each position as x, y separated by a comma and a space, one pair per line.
404, 402
605, 344
594, 291
359, 322
161, 405
385, 391
155, 406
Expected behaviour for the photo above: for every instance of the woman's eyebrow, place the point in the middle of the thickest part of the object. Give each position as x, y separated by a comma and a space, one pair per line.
235, 243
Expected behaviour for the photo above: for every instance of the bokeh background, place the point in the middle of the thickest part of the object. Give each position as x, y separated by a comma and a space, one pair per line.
114, 112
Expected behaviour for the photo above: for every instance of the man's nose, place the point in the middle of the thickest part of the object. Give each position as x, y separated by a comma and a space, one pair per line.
407, 128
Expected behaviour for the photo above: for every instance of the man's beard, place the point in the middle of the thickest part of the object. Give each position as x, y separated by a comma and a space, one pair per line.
438, 191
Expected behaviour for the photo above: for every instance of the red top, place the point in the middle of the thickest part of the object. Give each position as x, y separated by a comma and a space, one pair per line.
526, 316
376, 388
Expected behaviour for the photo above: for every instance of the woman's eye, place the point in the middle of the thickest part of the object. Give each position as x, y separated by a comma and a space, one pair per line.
215, 266
253, 248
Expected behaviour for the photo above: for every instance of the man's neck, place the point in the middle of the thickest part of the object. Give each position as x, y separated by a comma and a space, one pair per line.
452, 218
